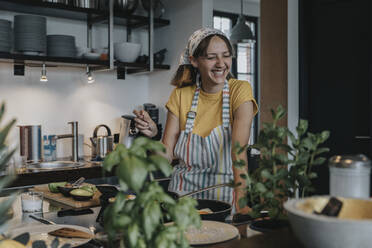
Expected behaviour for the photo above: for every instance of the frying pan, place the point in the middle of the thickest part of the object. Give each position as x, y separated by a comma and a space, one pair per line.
220, 209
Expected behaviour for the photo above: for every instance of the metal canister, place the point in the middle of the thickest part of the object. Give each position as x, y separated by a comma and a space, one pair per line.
30, 142
350, 176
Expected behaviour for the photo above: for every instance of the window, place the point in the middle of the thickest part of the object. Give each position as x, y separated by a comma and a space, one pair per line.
245, 64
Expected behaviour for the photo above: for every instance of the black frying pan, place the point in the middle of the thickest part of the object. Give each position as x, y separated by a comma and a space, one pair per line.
220, 209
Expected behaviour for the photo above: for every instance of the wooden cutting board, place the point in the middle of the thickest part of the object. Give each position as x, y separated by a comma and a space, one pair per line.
58, 197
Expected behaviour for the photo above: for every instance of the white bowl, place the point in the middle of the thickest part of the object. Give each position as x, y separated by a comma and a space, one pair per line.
91, 56
127, 51
319, 231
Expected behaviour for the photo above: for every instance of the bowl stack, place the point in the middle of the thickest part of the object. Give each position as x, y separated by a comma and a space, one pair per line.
5, 35
30, 34
61, 45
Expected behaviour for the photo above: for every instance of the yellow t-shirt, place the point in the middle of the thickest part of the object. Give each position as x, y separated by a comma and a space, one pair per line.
209, 111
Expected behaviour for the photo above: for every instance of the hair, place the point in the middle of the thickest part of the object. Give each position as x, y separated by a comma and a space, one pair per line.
186, 74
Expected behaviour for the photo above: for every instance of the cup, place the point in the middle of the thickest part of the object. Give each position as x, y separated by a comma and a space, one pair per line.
32, 202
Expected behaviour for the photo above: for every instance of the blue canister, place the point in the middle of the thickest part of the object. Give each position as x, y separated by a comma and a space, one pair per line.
50, 148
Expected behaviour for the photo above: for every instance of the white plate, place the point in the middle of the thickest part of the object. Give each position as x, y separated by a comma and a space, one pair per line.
40, 232
211, 232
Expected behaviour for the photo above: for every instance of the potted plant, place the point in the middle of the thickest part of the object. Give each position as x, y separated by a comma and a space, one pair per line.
284, 169
140, 222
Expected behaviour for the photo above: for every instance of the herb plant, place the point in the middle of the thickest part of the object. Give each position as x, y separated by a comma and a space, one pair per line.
284, 170
140, 222
5, 156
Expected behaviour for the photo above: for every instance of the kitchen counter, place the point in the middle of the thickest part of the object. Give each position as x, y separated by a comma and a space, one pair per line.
277, 239
88, 170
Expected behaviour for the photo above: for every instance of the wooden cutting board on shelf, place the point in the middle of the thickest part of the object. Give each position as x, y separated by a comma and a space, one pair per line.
69, 201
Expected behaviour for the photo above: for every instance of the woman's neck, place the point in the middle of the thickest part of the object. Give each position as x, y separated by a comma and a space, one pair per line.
211, 87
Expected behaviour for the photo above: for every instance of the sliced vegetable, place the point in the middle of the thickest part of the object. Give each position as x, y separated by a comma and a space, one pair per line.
53, 187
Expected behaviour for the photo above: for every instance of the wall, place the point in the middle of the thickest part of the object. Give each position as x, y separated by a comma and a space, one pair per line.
66, 96
185, 16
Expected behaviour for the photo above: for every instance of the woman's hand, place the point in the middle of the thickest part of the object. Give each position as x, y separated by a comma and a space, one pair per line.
145, 124
239, 193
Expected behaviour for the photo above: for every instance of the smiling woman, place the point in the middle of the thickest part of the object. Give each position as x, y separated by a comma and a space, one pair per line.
208, 111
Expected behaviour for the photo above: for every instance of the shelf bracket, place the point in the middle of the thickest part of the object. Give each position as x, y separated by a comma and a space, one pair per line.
111, 34
120, 72
151, 36
19, 69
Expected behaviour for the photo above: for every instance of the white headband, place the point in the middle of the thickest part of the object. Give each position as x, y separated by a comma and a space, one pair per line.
194, 42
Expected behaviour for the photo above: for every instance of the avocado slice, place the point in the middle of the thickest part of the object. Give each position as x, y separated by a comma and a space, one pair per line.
81, 192
90, 188
53, 187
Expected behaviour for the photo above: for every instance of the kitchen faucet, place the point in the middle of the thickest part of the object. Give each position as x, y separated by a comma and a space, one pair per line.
74, 136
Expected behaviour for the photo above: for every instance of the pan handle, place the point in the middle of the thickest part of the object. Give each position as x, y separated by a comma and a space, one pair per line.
205, 189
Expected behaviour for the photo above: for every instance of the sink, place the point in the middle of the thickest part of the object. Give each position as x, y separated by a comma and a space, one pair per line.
54, 165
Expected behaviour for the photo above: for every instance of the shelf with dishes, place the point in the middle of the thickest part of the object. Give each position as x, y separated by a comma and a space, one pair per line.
97, 13
33, 46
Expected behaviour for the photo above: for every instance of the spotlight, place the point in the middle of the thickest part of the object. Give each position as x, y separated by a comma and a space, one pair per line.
43, 77
90, 78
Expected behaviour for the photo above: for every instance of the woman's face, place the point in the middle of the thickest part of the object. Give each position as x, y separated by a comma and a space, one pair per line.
216, 64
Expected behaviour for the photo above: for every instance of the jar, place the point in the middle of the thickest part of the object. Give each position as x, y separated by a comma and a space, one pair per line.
350, 176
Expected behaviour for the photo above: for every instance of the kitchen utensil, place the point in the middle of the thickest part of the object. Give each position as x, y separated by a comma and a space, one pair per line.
352, 228
350, 176
128, 130
159, 56
127, 51
220, 209
30, 142
42, 220
40, 232
102, 145
90, 4
126, 6
78, 182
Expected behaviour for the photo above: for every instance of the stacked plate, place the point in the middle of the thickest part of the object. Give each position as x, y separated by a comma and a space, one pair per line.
5, 35
61, 45
30, 34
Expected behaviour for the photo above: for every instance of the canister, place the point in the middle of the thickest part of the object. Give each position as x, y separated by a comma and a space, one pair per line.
350, 176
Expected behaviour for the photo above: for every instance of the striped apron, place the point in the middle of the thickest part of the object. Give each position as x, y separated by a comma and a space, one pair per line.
205, 161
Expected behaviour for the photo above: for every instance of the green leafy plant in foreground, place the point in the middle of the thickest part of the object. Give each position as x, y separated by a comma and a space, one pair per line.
5, 156
139, 222
284, 170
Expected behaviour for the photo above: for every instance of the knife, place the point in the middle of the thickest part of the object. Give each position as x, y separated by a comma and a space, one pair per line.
42, 220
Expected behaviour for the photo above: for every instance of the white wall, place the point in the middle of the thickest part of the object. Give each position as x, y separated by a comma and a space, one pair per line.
185, 16
66, 96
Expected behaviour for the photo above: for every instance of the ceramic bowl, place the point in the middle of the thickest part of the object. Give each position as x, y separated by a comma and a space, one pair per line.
91, 56
352, 227
127, 51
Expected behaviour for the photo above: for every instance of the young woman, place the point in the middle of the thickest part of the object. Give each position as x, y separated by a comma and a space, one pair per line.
208, 112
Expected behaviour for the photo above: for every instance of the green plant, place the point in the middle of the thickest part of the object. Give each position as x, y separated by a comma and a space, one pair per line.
140, 222
284, 169
5, 156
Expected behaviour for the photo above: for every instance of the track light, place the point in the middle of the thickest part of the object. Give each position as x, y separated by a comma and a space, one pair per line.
43, 77
90, 78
